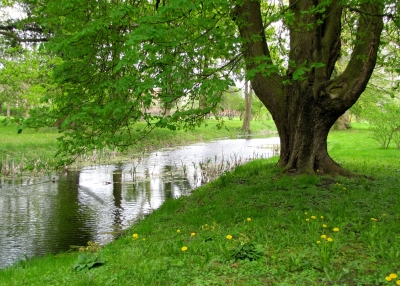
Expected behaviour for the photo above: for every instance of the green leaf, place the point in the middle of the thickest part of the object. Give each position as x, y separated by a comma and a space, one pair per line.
298, 73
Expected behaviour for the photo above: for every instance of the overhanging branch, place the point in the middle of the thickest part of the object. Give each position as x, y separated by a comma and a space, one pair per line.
14, 30
22, 40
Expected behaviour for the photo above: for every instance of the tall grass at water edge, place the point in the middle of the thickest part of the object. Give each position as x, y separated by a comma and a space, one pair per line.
29, 151
34, 151
253, 226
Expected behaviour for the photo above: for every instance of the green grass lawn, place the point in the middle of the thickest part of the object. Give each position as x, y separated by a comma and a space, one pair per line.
253, 226
29, 144
355, 149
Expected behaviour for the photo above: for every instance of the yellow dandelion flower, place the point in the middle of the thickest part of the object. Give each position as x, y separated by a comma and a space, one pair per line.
324, 225
318, 241
313, 217
204, 227
336, 229
323, 236
229, 236
373, 219
307, 219
322, 217
193, 234
398, 282
184, 248
248, 219
135, 236
178, 230
330, 239
393, 275
388, 278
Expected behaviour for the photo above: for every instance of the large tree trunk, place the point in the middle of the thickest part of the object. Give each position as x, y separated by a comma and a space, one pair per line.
305, 104
303, 131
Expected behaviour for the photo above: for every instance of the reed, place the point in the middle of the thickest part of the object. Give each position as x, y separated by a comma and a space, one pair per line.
33, 152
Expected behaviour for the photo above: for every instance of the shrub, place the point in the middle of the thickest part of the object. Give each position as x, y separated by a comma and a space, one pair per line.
384, 120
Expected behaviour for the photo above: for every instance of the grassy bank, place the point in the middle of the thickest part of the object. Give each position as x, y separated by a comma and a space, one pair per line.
32, 149
252, 227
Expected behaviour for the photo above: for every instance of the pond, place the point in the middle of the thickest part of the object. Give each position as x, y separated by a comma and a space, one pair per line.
56, 212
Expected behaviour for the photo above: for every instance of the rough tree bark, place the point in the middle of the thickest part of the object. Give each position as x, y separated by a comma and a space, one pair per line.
305, 109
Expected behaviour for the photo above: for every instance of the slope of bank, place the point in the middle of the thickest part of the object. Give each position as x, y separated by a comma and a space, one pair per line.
254, 227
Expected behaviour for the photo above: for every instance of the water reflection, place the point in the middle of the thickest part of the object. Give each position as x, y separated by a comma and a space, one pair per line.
39, 216
42, 217
117, 194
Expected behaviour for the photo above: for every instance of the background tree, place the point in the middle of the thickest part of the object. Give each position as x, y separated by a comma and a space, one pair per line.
24, 79
259, 110
232, 103
248, 99
380, 106
384, 120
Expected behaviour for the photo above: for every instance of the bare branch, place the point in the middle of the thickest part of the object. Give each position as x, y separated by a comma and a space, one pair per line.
353, 9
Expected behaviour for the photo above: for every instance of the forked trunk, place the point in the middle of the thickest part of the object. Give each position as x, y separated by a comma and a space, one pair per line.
306, 101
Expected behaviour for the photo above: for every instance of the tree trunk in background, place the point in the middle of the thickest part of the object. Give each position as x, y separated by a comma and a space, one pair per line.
8, 110
167, 110
26, 112
203, 98
248, 98
343, 122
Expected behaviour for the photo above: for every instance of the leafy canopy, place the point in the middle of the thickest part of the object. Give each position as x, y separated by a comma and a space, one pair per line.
120, 59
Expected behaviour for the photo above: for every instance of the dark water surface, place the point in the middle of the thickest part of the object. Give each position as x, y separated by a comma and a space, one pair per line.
39, 216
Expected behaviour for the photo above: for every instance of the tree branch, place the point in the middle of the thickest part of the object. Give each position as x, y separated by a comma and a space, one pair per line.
256, 53
348, 87
363, 12
23, 40
11, 30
